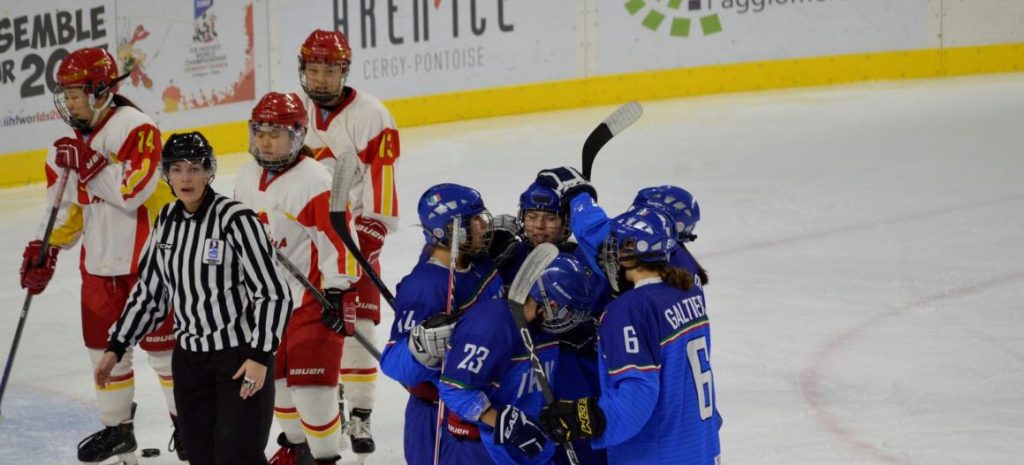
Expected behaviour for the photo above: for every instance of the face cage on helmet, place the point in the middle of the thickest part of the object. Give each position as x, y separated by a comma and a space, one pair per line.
558, 320
323, 98
466, 246
566, 232
60, 100
297, 135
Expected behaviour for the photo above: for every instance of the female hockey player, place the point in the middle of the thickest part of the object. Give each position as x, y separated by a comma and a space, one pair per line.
112, 152
684, 211
657, 403
344, 122
488, 378
291, 193
422, 299
211, 260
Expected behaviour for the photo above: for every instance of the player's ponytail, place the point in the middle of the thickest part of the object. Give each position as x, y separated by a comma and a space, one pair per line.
121, 101
675, 277
701, 272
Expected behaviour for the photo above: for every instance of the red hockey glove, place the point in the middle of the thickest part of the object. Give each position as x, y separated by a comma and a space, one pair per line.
35, 276
78, 156
342, 318
371, 237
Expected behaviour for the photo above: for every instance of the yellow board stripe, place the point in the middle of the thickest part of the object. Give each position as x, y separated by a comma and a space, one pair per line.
25, 167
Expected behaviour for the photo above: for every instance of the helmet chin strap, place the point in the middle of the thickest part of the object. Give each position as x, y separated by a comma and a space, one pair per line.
97, 110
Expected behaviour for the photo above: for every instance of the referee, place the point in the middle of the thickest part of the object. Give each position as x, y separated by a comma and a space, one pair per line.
210, 259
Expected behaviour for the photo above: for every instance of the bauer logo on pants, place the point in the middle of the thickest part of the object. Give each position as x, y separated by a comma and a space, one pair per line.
213, 253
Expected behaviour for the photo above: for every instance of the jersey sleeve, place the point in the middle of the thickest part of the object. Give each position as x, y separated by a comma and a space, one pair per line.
134, 173
632, 359
416, 300
69, 225
338, 267
479, 355
377, 195
590, 225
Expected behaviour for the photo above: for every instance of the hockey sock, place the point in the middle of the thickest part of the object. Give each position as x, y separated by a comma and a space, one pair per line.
359, 368
161, 363
321, 421
286, 413
115, 400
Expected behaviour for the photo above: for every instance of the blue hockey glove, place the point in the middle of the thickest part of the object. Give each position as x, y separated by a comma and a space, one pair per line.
514, 429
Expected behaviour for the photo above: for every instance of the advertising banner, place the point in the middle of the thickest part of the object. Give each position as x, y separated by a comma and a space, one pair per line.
638, 35
187, 62
404, 48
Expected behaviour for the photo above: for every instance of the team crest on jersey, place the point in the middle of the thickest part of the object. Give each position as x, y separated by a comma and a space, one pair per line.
213, 252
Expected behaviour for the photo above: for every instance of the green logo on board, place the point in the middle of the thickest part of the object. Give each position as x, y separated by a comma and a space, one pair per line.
679, 18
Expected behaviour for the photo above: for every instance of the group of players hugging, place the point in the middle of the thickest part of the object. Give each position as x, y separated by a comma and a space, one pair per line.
617, 319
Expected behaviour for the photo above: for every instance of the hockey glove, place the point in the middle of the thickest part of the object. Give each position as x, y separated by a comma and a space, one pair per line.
506, 239
568, 420
78, 156
515, 429
429, 339
35, 276
341, 318
567, 181
371, 237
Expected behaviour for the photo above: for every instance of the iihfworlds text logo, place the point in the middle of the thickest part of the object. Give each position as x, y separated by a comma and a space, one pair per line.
683, 18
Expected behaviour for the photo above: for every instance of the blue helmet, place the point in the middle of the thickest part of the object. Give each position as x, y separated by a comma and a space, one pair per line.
542, 198
565, 283
643, 234
440, 204
677, 202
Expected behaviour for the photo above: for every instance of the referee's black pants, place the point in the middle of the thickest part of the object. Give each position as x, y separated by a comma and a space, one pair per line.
218, 426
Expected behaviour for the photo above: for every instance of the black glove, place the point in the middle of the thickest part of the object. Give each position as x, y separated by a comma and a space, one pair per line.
341, 318
514, 429
567, 182
506, 239
568, 420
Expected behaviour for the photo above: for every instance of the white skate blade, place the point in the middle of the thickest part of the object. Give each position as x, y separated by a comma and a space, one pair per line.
127, 458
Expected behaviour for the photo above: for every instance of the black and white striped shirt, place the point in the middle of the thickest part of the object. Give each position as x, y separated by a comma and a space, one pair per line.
216, 269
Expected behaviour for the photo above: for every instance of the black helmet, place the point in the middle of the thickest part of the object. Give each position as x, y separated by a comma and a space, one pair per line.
190, 146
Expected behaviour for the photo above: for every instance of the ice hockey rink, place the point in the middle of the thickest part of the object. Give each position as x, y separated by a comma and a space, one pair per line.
863, 244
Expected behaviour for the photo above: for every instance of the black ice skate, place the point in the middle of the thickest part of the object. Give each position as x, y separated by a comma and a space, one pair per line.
109, 442
176, 444
358, 429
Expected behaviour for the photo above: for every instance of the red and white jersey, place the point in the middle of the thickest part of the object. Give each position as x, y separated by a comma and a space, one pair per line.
114, 212
295, 206
360, 127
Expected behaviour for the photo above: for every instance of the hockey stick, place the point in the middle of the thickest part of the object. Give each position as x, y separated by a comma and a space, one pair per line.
529, 273
344, 172
612, 125
319, 296
39, 262
453, 263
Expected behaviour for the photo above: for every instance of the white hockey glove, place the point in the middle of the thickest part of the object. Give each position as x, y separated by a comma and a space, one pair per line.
429, 339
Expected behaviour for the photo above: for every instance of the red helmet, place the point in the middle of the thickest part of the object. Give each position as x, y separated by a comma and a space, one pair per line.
273, 112
325, 47
92, 68
277, 109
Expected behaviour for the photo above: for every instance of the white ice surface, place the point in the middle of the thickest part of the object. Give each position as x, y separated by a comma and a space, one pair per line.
864, 245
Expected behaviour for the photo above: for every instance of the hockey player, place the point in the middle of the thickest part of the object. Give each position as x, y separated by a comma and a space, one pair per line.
657, 403
347, 123
112, 151
680, 205
489, 379
291, 193
422, 298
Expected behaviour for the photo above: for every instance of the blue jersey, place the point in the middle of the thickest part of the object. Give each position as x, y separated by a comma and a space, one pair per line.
488, 365
657, 387
590, 225
420, 294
